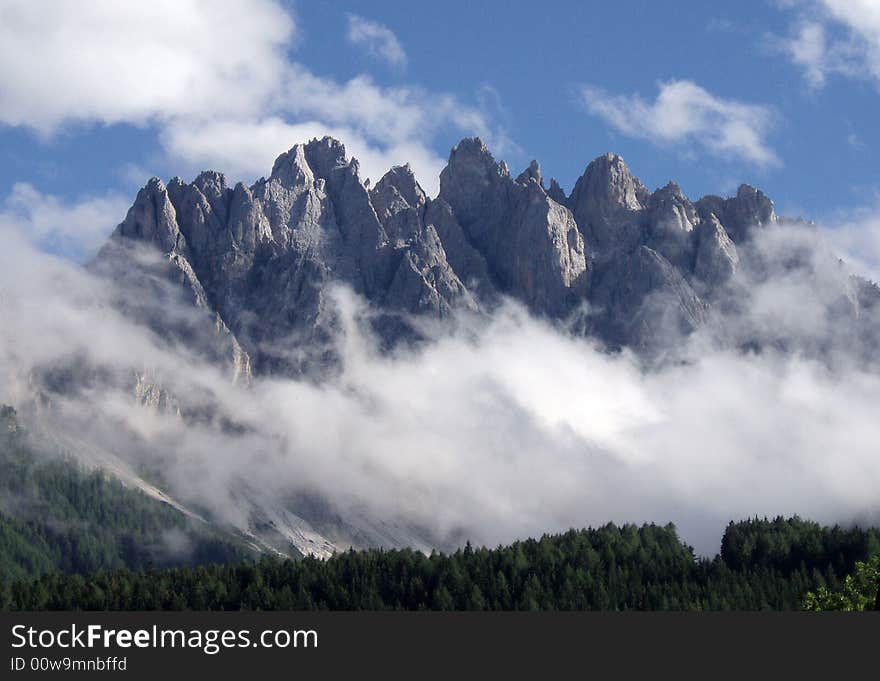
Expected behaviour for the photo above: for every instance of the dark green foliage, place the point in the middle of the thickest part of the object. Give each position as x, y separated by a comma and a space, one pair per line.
56, 516
788, 544
861, 591
609, 568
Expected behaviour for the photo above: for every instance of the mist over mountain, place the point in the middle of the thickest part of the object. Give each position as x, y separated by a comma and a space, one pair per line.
321, 361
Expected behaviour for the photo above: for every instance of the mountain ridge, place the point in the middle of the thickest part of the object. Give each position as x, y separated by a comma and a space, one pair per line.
647, 265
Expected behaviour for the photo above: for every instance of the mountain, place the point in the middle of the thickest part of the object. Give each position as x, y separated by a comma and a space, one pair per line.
628, 267
55, 515
248, 280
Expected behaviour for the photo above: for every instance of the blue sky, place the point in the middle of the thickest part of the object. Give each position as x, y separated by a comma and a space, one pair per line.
783, 94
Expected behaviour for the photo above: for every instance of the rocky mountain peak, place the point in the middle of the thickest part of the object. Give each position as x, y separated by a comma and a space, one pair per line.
291, 168
399, 202
749, 209
671, 191
670, 208
533, 172
556, 192
152, 219
530, 245
470, 178
213, 187
326, 155
608, 184
155, 184
317, 159
604, 202
471, 157
402, 181
756, 204
211, 183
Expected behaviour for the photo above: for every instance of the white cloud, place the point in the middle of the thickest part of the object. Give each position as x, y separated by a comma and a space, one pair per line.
377, 39
250, 147
194, 69
808, 49
857, 239
115, 62
686, 114
73, 228
381, 127
835, 37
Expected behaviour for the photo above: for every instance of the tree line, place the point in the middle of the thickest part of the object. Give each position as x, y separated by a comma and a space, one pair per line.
72, 539
764, 565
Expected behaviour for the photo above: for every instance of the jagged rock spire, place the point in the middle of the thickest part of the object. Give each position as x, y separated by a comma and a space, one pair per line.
533, 172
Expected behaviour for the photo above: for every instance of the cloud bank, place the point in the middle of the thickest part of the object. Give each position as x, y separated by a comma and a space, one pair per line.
504, 427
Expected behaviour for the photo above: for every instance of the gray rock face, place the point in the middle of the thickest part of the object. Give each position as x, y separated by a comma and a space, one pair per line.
262, 258
399, 202
150, 283
423, 280
716, 258
153, 220
556, 193
749, 209
643, 249
605, 202
643, 302
260, 261
669, 219
531, 244
533, 172
463, 257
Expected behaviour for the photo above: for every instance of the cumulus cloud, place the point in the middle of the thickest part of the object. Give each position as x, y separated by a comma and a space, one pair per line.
251, 146
73, 228
503, 427
377, 39
114, 62
685, 114
380, 127
834, 37
192, 69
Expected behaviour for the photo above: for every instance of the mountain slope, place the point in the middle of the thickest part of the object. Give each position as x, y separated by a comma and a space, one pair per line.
56, 515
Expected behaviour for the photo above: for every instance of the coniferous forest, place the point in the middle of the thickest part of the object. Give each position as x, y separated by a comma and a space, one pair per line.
763, 565
57, 516
78, 540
